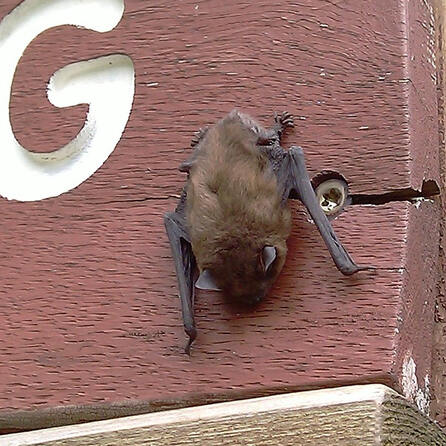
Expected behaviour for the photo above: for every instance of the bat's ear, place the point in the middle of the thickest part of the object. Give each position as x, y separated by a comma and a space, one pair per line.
267, 257
206, 282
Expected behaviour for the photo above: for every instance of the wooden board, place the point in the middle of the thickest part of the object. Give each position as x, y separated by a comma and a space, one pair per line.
438, 410
90, 318
370, 415
78, 347
341, 68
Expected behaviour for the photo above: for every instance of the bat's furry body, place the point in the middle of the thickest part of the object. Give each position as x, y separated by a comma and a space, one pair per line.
232, 220
234, 209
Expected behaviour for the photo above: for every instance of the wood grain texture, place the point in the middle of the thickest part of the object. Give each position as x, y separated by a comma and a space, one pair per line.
342, 68
68, 345
371, 415
91, 323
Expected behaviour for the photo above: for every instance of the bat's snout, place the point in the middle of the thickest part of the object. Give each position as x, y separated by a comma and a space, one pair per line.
253, 300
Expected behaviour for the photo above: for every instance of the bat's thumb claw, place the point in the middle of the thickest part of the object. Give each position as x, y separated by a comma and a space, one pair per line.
192, 333
357, 268
367, 268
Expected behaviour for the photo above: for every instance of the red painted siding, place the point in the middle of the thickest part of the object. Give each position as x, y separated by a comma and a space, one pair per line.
88, 301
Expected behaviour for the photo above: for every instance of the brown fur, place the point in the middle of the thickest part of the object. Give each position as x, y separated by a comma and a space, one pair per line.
234, 209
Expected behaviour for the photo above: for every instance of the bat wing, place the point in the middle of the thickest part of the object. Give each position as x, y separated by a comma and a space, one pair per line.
185, 266
185, 262
294, 177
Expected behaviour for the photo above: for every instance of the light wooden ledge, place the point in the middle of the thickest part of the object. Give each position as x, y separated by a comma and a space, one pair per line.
351, 416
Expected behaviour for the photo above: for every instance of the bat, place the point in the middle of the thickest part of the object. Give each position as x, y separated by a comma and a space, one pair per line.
229, 229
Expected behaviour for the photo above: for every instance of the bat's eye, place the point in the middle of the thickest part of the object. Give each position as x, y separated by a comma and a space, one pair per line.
267, 257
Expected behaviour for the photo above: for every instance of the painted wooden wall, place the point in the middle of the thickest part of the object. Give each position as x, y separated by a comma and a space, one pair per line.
88, 302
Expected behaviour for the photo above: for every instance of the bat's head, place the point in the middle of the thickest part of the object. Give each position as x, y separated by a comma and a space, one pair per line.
244, 273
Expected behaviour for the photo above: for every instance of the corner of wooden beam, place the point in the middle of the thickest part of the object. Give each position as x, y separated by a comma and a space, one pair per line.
357, 415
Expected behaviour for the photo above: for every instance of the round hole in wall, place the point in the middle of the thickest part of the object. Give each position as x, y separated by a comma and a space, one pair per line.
332, 192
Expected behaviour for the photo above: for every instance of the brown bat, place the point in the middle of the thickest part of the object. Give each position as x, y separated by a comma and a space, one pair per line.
233, 220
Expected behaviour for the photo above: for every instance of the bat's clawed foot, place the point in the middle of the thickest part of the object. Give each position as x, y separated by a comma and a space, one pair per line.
198, 136
284, 120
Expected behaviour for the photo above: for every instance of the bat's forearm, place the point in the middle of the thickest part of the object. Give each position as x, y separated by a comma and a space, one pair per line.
184, 265
302, 184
